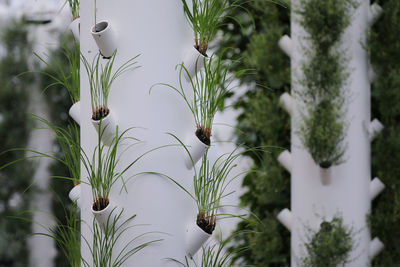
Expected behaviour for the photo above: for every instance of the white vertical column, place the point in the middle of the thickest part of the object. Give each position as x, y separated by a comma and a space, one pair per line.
347, 194
157, 30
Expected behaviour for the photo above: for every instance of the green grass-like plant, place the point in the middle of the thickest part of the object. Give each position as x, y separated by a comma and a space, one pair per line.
213, 255
330, 246
102, 168
67, 78
69, 142
209, 186
74, 6
209, 87
101, 78
205, 18
107, 236
65, 234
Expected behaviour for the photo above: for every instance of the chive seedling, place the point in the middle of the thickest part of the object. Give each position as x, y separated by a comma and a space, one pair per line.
101, 78
205, 18
209, 186
68, 78
103, 170
209, 87
105, 239
69, 141
74, 6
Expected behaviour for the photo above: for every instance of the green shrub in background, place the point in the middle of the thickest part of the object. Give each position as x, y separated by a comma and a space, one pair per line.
266, 124
324, 79
262, 123
384, 45
15, 126
322, 134
330, 246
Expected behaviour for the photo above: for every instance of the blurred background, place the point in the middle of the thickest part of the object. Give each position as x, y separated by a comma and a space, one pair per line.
27, 195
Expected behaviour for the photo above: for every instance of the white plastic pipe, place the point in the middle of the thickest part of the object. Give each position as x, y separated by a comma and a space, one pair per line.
374, 12
106, 216
107, 127
285, 159
286, 45
371, 74
375, 188
374, 128
75, 194
193, 62
105, 38
195, 150
286, 101
285, 217
75, 28
75, 112
195, 238
375, 247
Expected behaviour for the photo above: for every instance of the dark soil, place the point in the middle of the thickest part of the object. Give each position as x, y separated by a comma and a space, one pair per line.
200, 50
206, 224
100, 204
325, 165
202, 136
100, 113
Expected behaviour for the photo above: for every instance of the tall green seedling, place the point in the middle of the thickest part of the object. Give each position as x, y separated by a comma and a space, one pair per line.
69, 142
69, 77
103, 169
74, 6
209, 187
209, 88
205, 18
101, 77
103, 246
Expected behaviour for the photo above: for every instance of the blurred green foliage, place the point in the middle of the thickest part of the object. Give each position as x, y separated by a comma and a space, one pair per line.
324, 79
384, 46
262, 123
330, 246
59, 103
15, 126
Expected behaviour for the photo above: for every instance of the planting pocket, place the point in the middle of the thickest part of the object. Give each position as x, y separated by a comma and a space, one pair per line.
105, 38
193, 62
75, 112
108, 129
107, 217
195, 151
75, 194
195, 238
75, 28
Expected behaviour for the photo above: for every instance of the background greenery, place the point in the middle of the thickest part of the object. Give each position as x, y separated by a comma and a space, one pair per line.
263, 123
324, 79
15, 126
385, 56
59, 103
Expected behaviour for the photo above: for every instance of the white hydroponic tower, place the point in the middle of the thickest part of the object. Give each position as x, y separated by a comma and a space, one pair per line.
345, 190
159, 32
